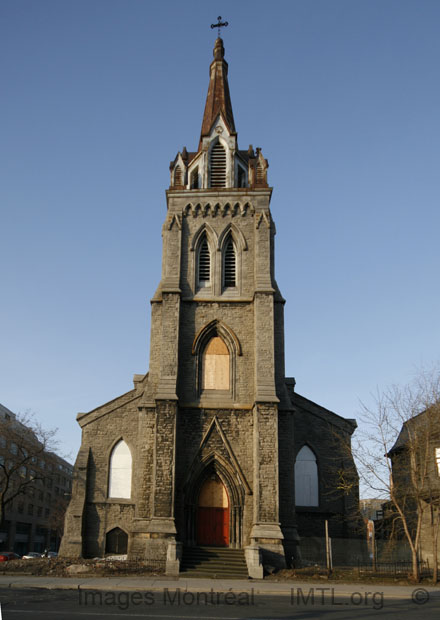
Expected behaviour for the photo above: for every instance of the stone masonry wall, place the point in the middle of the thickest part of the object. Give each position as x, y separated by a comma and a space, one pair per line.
102, 513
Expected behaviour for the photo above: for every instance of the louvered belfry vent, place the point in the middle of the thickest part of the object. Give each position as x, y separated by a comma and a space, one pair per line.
218, 166
178, 176
229, 264
204, 264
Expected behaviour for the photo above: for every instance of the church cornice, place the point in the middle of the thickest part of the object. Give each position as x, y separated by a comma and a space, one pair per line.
209, 192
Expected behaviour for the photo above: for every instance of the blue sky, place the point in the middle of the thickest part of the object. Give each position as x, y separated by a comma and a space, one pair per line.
343, 96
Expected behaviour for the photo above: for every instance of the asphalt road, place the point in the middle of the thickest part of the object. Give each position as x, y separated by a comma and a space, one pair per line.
176, 604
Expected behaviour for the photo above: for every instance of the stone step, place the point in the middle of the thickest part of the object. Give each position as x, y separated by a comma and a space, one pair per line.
214, 551
214, 562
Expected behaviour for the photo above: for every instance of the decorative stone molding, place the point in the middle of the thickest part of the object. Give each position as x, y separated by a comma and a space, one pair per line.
224, 209
174, 219
264, 216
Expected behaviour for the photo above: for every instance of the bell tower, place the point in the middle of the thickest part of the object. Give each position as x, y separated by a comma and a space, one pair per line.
217, 344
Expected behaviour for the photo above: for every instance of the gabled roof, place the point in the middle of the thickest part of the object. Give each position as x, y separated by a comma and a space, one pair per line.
347, 424
429, 417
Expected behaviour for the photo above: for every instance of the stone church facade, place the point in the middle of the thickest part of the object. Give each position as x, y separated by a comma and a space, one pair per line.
209, 446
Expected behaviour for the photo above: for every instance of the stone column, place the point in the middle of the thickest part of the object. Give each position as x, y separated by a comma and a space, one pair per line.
72, 543
169, 346
161, 529
266, 531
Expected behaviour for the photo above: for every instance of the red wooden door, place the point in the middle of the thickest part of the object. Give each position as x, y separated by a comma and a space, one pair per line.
213, 514
213, 526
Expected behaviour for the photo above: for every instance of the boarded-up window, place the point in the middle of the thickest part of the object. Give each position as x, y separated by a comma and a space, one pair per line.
119, 483
215, 373
306, 478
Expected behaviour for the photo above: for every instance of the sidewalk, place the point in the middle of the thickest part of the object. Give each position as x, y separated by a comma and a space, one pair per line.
257, 587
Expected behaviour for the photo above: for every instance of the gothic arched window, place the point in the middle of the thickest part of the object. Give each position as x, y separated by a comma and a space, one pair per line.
204, 264
306, 478
229, 264
216, 365
218, 166
119, 479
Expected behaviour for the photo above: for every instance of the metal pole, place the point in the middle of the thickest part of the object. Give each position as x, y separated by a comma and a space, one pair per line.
373, 541
327, 548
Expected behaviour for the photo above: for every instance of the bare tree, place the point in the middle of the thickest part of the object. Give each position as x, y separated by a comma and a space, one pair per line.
24, 450
395, 453
57, 515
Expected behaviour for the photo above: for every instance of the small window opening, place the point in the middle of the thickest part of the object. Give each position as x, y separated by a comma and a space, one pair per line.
195, 179
116, 541
241, 177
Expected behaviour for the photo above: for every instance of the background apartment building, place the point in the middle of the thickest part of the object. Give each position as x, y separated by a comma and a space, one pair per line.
35, 488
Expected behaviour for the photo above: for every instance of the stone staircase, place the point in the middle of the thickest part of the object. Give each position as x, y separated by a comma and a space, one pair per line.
214, 562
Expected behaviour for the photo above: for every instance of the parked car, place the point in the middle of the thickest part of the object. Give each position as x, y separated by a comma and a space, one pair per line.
5, 556
31, 555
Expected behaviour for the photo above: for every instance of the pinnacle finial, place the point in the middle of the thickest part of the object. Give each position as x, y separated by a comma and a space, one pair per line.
219, 50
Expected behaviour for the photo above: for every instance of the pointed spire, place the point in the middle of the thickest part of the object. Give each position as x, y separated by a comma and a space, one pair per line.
218, 99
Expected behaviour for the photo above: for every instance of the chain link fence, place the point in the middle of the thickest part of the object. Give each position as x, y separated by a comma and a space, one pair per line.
354, 553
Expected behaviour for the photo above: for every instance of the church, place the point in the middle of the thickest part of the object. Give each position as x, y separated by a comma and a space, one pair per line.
213, 446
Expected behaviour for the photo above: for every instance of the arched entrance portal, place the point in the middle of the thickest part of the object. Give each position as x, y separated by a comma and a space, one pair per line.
213, 513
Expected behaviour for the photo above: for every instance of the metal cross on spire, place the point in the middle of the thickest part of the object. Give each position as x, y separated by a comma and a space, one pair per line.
220, 24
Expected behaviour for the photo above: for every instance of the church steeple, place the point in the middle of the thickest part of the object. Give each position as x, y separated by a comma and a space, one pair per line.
218, 100
218, 163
